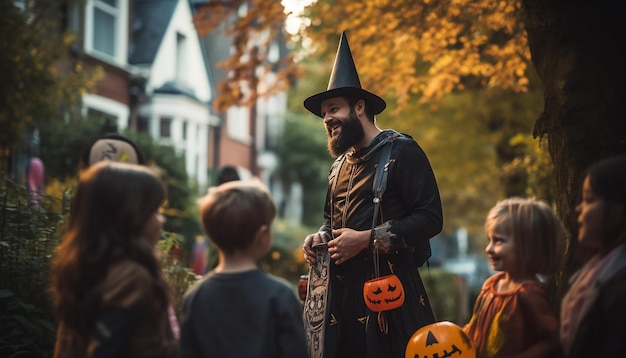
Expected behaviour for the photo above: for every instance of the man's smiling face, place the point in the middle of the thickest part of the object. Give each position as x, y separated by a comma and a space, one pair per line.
343, 127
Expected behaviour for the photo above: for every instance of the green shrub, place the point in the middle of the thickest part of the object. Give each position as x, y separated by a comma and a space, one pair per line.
28, 236
27, 330
178, 276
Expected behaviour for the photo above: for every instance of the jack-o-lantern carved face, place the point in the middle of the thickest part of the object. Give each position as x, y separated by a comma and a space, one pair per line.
384, 293
440, 340
314, 310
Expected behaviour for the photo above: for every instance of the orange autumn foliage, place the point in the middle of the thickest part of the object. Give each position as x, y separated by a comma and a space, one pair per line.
403, 48
427, 48
252, 26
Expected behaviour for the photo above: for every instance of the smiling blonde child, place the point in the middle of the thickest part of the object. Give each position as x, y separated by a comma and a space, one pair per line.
512, 315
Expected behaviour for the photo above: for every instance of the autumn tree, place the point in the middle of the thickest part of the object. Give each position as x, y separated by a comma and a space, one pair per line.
422, 50
436, 46
251, 26
577, 50
424, 67
37, 81
457, 76
473, 138
305, 160
426, 49
429, 48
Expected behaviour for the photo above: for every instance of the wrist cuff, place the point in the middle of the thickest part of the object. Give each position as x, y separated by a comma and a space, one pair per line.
384, 240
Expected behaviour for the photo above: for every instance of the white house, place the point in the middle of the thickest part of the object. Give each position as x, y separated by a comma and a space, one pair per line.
177, 88
156, 75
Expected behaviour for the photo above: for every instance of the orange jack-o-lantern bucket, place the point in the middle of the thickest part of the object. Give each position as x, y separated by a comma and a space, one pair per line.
440, 339
383, 293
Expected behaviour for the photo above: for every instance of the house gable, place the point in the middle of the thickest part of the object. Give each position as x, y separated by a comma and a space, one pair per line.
166, 44
175, 104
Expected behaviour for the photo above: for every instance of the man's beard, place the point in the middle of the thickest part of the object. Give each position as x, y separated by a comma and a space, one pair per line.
351, 134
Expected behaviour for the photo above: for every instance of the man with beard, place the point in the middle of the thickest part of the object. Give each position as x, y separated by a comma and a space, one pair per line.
354, 245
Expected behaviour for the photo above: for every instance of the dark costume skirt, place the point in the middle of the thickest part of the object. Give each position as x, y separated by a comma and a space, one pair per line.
352, 329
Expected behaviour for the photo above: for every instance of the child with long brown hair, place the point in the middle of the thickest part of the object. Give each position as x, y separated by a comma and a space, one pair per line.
593, 311
110, 296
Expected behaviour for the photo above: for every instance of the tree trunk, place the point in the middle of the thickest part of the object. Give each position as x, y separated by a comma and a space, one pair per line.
577, 48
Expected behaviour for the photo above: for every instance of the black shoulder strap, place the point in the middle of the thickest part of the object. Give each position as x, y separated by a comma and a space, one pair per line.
380, 177
422, 251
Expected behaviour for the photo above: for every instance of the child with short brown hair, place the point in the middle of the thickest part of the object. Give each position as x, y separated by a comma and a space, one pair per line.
512, 315
238, 310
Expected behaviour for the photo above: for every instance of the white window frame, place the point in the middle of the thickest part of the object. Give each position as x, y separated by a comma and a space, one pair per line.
181, 58
119, 57
109, 106
20, 4
238, 118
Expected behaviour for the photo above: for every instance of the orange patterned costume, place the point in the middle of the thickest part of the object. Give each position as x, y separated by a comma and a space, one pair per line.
516, 323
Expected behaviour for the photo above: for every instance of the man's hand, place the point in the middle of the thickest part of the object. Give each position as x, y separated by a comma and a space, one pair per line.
319, 238
347, 243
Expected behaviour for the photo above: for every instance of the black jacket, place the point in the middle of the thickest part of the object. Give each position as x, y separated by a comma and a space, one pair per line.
411, 200
412, 206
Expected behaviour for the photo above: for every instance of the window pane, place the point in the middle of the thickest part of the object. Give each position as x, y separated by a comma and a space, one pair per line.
98, 115
143, 124
113, 3
20, 4
109, 120
103, 32
165, 127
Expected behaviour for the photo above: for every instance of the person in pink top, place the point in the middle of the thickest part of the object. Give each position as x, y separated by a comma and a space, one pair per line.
593, 311
512, 315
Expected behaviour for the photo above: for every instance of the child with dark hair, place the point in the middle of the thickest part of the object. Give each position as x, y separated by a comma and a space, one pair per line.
238, 310
593, 311
109, 293
228, 173
118, 148
512, 315
114, 147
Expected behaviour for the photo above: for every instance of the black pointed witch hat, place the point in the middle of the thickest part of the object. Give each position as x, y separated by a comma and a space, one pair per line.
344, 82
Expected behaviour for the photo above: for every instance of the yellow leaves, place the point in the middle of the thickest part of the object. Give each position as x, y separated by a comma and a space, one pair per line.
439, 84
535, 162
471, 65
253, 26
84, 79
520, 69
68, 39
212, 13
403, 46
484, 70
